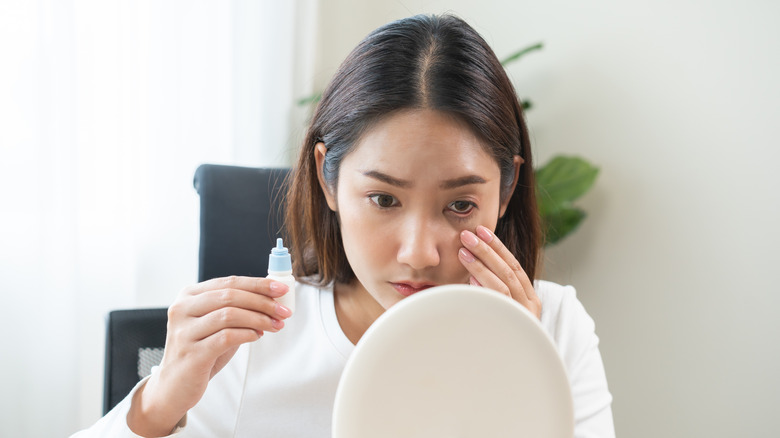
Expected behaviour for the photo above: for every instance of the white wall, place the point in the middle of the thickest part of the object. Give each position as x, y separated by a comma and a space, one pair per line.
677, 102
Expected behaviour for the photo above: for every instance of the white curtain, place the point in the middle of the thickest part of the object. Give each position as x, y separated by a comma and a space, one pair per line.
107, 107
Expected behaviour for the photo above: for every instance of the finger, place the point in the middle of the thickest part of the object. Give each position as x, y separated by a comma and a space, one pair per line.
256, 285
480, 274
210, 301
231, 317
224, 340
493, 242
494, 266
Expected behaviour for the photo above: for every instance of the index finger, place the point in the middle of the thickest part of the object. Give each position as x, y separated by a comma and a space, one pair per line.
265, 286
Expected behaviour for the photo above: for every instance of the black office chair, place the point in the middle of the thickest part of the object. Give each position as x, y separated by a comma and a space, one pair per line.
241, 215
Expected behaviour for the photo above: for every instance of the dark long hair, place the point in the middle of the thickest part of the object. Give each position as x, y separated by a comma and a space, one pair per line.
422, 62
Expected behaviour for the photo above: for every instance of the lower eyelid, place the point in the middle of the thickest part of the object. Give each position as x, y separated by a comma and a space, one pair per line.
466, 218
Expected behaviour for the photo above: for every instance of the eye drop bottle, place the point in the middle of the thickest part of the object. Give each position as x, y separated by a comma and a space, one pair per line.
280, 269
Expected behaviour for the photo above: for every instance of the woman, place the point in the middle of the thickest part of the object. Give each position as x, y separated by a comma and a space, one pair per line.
416, 171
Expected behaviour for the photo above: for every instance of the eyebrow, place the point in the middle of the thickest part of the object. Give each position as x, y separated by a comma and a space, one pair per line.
462, 181
447, 184
387, 179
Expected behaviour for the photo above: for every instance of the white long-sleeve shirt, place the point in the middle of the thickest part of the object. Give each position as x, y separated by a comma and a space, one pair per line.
284, 384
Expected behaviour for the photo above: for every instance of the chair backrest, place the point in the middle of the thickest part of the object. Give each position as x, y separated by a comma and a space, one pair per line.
241, 215
134, 343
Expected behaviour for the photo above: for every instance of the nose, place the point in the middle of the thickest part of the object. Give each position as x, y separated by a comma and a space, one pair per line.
419, 246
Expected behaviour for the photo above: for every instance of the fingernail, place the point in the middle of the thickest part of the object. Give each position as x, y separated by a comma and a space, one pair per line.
473, 281
468, 238
466, 255
279, 287
275, 323
484, 234
282, 311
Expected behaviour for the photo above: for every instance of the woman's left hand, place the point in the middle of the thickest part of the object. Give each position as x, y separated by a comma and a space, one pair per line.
492, 266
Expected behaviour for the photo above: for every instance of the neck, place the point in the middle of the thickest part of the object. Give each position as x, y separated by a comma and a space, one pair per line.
356, 309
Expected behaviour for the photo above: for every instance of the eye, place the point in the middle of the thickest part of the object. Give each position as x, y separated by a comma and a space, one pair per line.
383, 200
461, 207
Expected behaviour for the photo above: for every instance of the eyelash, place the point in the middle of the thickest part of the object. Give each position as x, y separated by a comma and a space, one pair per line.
459, 215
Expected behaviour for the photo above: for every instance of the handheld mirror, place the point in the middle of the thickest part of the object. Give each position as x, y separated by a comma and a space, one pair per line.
454, 361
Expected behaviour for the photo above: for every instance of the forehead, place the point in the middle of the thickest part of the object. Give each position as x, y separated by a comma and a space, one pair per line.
419, 143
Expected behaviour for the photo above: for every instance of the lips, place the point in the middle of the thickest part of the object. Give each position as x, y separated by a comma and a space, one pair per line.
407, 288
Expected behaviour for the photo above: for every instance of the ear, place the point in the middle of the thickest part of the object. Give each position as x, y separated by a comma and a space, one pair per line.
518, 161
319, 157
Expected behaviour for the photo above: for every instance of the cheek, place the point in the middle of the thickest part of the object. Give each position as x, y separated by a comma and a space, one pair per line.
451, 264
362, 236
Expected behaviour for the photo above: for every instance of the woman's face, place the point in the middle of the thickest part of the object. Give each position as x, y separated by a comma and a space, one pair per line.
407, 190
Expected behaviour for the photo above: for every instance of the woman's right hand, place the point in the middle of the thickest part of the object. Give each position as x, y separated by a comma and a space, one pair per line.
206, 325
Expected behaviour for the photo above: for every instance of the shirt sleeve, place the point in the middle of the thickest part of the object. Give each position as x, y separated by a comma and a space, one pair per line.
578, 345
114, 423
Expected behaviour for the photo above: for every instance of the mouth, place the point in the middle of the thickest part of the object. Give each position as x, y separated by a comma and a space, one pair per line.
408, 288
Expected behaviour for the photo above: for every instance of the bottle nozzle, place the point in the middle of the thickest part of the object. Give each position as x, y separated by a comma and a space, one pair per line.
279, 259
280, 249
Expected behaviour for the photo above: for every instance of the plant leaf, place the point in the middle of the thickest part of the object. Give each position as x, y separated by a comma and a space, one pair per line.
520, 53
560, 223
308, 100
562, 180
